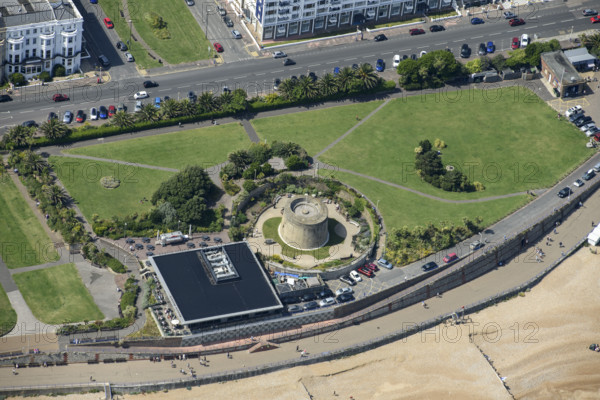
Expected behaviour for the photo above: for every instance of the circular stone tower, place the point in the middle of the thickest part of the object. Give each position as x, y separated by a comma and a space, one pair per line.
304, 223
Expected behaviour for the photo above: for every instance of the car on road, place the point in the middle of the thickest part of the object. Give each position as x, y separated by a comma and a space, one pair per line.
416, 31
595, 19
122, 46
138, 106
102, 112
60, 97
589, 175
149, 84
141, 95
311, 305
129, 57
108, 23
476, 245
30, 124
295, 308
343, 298
228, 22
4, 98
157, 102
336, 70
343, 291
380, 65
465, 51
355, 276
509, 15
514, 44
346, 279
80, 116
236, 34
218, 47
222, 11
192, 98
111, 111
524, 40
564, 192
288, 61
329, 301
93, 114
68, 117
516, 22
573, 110
276, 83
589, 12
450, 257
279, 54
491, 47
380, 38
429, 266
482, 49
365, 271
396, 61
477, 21
436, 28
578, 183
385, 263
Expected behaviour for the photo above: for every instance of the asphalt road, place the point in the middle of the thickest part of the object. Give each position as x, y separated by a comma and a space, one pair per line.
257, 75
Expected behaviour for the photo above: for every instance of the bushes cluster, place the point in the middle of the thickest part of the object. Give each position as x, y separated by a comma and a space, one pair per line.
102, 258
432, 70
429, 166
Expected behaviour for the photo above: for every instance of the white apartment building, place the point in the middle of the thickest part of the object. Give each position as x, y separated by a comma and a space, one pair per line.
280, 19
37, 35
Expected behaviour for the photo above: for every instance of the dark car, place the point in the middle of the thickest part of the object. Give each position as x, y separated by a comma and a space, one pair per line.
149, 253
129, 241
311, 305
312, 76
380, 65
191, 96
290, 300
477, 21
80, 116
416, 31
30, 124
325, 293
346, 279
149, 84
380, 38
588, 12
122, 46
436, 28
295, 308
429, 266
218, 240
565, 192
576, 116
4, 98
52, 115
190, 245
228, 22
288, 61
516, 22
102, 112
582, 121
309, 297
465, 51
589, 175
413, 56
344, 297
60, 97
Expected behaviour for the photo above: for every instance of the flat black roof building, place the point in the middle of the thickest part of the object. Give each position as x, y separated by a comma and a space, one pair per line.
218, 283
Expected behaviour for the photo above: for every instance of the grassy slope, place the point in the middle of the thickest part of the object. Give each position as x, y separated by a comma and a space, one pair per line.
82, 180
57, 295
8, 316
23, 241
206, 146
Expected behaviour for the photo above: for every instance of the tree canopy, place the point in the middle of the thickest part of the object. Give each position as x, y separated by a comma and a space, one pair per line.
429, 71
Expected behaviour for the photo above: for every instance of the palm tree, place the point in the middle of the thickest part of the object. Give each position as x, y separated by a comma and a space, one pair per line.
34, 162
188, 108
148, 113
56, 195
123, 119
327, 85
225, 100
19, 136
54, 129
367, 76
592, 42
207, 102
345, 79
286, 89
307, 88
170, 109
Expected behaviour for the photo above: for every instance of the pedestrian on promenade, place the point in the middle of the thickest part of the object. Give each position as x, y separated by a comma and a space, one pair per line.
91, 378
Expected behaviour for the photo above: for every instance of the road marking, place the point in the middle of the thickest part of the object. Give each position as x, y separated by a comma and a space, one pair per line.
295, 69
458, 41
47, 108
164, 90
402, 51
496, 34
529, 27
514, 30
349, 59
569, 20
370, 56
551, 23
331, 62
316, 65
440, 44
389, 52
423, 47
274, 72
261, 74
477, 37
183, 87
240, 77
220, 80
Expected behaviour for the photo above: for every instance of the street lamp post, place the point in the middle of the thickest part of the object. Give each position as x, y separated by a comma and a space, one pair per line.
125, 229
129, 41
178, 222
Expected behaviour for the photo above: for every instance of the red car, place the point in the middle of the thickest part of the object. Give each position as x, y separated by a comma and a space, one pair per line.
450, 257
365, 271
516, 22
218, 47
60, 97
108, 23
372, 266
416, 31
80, 117
595, 19
596, 137
111, 111
515, 43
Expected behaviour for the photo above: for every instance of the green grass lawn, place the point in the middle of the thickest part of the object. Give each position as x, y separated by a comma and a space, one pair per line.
8, 316
23, 241
508, 142
57, 295
82, 179
270, 231
187, 42
111, 8
313, 130
402, 208
206, 146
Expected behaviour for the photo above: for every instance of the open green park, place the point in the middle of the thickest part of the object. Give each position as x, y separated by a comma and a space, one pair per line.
24, 241
8, 316
81, 178
204, 146
57, 295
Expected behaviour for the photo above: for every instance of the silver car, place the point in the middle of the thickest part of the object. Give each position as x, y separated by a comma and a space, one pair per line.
138, 106
93, 114
68, 117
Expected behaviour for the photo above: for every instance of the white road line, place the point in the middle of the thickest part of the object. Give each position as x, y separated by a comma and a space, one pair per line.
512, 30
349, 59
477, 37
331, 62
275, 72
495, 34
389, 52
458, 41
164, 90
183, 87
402, 51
314, 66
440, 44
261, 74
47, 108
551, 23
370, 56
240, 77
569, 20
220, 80
423, 47
295, 69
529, 27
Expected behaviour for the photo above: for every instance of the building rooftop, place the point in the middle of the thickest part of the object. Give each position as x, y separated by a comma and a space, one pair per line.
15, 13
580, 55
562, 67
216, 282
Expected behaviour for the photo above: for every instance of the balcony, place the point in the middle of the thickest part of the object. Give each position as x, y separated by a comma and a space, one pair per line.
284, 4
332, 9
283, 11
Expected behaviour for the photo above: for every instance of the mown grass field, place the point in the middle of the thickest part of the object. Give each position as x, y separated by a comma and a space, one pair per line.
8, 316
82, 179
205, 146
57, 295
508, 139
23, 241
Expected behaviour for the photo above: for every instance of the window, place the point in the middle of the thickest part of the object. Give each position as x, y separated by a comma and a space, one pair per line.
10, 58
70, 40
26, 54
26, 42
69, 62
70, 52
48, 53
10, 47
34, 54
34, 40
17, 59
27, 32
35, 31
17, 47
9, 69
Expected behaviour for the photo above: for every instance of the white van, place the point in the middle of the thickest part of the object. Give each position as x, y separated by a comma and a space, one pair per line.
597, 167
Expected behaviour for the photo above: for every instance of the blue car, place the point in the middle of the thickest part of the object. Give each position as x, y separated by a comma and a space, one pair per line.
336, 70
491, 47
157, 102
477, 21
103, 112
379, 65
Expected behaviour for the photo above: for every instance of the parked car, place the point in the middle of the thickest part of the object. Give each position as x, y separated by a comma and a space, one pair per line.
122, 107
30, 124
312, 76
346, 279
482, 49
564, 192
343, 298
276, 83
218, 47
514, 44
573, 110
589, 175
477, 21
429, 266
465, 51
122, 46
587, 127
476, 245
103, 60
325, 293
222, 11
102, 112
295, 308
578, 183
80, 116
385, 263
589, 12
524, 40
450, 257
336, 70
595, 19
509, 15
138, 106
108, 23
288, 61
129, 57
343, 290
190, 2
311, 305
111, 111
416, 31
149, 84
190, 245
582, 121
236, 34
228, 22
436, 28
380, 65
5, 97
279, 54
140, 95
592, 131
355, 276
413, 56
68, 117
93, 114
516, 22
380, 38
192, 98
491, 47
365, 271
576, 116
396, 61
327, 302
372, 266
60, 97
